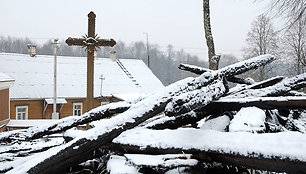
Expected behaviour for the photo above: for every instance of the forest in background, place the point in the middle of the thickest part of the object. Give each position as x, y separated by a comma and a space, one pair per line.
163, 63
288, 45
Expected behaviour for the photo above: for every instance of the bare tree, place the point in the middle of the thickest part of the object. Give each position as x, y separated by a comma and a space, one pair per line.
295, 40
293, 10
261, 39
213, 59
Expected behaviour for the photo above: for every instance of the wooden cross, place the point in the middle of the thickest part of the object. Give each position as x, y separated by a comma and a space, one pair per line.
90, 41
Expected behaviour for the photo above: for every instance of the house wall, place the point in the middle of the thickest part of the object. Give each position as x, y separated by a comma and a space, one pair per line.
36, 107
68, 107
4, 104
4, 107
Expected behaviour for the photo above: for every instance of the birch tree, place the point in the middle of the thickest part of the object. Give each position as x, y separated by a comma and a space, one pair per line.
261, 39
295, 42
292, 10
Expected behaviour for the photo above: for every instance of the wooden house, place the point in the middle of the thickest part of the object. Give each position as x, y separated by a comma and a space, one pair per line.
31, 96
5, 83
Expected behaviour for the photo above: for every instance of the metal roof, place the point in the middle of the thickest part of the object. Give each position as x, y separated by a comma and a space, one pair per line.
34, 76
5, 77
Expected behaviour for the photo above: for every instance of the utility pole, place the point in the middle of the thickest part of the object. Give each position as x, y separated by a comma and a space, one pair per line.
55, 115
148, 48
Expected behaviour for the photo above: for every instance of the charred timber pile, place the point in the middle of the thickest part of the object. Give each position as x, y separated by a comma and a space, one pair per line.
143, 127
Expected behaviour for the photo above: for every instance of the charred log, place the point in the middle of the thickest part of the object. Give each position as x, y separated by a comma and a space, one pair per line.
178, 121
281, 88
196, 99
235, 104
234, 79
193, 68
252, 160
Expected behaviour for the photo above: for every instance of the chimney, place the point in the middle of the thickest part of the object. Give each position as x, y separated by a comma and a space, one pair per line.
32, 50
113, 55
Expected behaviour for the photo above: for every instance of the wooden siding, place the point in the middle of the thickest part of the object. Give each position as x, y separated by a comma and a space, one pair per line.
36, 107
4, 104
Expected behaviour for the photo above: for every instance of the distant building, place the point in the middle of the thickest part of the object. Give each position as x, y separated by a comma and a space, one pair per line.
5, 83
31, 96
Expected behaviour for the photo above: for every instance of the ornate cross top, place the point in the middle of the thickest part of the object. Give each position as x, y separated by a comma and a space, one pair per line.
90, 41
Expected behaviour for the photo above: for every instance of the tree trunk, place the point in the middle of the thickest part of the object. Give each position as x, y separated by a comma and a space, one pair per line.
213, 63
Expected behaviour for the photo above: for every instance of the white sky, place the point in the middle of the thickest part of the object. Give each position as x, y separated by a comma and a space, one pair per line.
176, 22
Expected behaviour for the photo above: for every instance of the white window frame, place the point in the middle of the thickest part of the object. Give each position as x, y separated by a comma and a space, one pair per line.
26, 112
81, 110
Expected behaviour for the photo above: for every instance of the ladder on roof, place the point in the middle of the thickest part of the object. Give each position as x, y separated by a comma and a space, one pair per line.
127, 73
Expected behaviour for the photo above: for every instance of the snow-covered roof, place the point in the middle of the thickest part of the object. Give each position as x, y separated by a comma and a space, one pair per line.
5, 77
34, 76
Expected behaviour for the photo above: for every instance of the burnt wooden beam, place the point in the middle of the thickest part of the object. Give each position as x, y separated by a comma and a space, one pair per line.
235, 69
196, 99
235, 104
274, 164
203, 145
167, 122
194, 69
234, 79
262, 84
199, 70
280, 88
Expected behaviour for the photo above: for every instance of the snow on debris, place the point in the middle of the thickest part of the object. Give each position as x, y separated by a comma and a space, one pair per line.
168, 160
117, 165
129, 163
250, 119
284, 85
22, 165
280, 145
203, 96
218, 124
250, 63
34, 145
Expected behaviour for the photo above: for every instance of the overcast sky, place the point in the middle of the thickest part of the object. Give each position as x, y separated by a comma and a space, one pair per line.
176, 22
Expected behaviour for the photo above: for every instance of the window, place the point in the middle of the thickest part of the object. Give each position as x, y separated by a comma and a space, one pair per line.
77, 109
21, 112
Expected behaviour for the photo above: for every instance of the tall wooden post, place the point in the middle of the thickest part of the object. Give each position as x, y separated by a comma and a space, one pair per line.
90, 62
